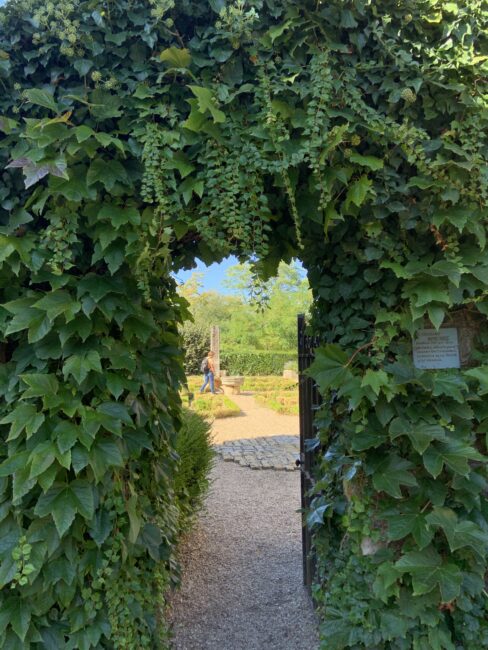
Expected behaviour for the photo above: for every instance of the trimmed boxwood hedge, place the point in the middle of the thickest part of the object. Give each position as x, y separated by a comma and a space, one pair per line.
255, 362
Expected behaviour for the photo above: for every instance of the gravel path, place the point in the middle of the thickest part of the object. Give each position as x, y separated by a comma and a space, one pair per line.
254, 422
242, 567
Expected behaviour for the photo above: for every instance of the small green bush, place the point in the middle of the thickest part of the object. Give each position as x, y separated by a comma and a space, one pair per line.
255, 362
196, 457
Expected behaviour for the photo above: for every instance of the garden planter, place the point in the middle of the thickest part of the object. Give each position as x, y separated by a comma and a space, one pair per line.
232, 385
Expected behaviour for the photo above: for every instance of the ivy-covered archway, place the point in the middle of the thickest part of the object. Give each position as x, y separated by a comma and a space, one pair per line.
137, 135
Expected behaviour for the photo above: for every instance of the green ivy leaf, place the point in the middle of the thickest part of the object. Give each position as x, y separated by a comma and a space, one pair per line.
452, 385
358, 191
420, 433
481, 374
23, 319
39, 384
376, 379
22, 484
101, 527
386, 582
42, 458
103, 454
41, 98
390, 472
428, 571
459, 534
393, 626
372, 162
207, 102
316, 515
117, 411
63, 501
330, 367
176, 57
119, 216
115, 384
108, 173
13, 463
66, 434
458, 217
414, 523
440, 637
150, 538
368, 439
79, 365
436, 315
20, 620
430, 290
454, 454
57, 303
79, 458
24, 416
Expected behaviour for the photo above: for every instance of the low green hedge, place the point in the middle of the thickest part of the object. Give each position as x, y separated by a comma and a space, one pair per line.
196, 457
255, 362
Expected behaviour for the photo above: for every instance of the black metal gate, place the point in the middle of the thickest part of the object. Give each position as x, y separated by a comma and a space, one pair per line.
309, 402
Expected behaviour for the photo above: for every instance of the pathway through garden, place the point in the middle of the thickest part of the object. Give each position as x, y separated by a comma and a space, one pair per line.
255, 421
242, 566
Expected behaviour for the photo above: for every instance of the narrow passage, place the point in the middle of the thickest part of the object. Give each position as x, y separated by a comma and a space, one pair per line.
242, 567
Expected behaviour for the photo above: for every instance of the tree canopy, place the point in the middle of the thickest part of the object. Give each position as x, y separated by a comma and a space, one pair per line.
245, 322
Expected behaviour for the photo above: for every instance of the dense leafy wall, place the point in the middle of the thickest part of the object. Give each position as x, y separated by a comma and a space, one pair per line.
400, 509
139, 134
91, 367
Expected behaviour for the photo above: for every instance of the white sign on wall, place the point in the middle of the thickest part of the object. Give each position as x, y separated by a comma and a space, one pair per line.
433, 350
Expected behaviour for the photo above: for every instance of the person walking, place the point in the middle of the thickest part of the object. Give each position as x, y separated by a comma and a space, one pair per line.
208, 370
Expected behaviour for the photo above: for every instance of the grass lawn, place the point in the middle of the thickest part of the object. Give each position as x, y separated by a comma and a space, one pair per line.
268, 383
214, 406
276, 393
281, 401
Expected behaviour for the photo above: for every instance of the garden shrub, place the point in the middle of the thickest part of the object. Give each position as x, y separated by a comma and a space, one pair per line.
196, 456
196, 344
254, 362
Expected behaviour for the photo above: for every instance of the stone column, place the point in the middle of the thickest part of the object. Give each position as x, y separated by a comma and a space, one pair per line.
215, 347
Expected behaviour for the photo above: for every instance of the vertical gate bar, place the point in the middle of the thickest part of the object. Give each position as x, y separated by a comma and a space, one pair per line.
309, 401
306, 466
302, 409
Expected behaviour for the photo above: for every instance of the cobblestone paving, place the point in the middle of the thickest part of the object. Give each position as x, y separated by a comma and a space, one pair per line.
273, 452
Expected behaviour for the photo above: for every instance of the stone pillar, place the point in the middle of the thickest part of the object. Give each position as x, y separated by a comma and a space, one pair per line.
215, 347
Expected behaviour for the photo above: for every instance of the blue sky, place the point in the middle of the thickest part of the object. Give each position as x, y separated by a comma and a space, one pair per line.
214, 274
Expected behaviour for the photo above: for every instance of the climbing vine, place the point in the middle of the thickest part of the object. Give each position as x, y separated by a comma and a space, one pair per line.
139, 135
